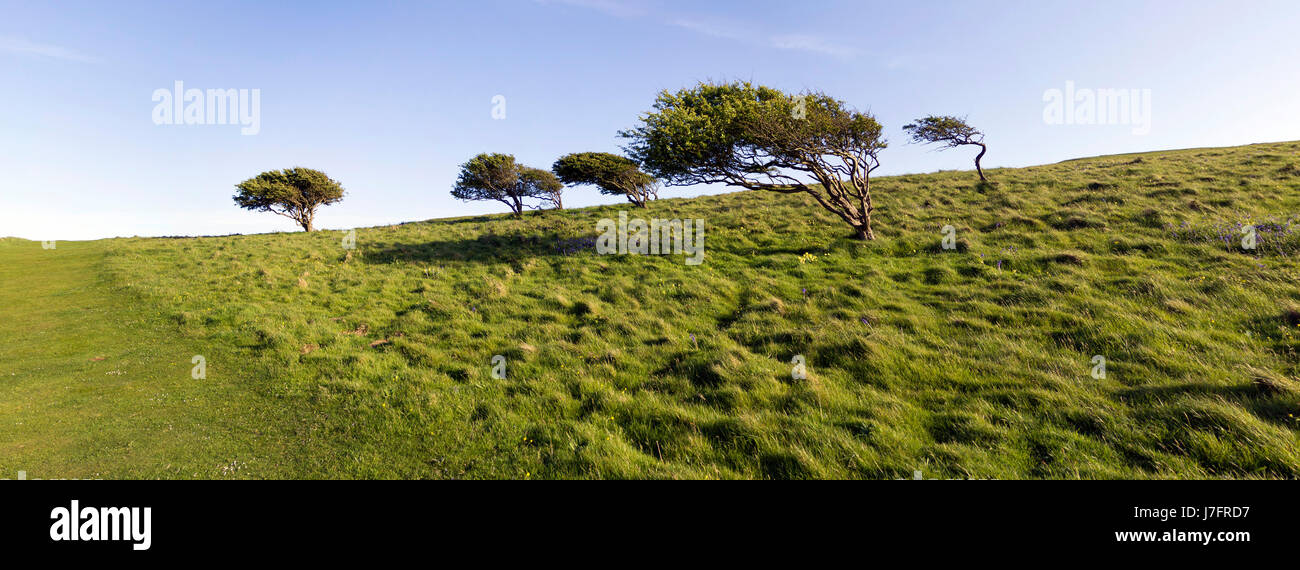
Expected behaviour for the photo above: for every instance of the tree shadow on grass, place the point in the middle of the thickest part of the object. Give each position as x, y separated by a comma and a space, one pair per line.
488, 248
485, 218
1275, 408
1234, 392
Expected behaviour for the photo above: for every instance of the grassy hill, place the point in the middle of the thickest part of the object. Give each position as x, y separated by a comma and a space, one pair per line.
971, 363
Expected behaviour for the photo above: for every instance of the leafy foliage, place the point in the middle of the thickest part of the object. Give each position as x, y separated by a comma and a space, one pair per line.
499, 177
759, 138
614, 175
294, 193
543, 185
951, 132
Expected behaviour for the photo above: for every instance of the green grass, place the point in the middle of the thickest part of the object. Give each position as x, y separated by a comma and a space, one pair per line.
95, 383
919, 359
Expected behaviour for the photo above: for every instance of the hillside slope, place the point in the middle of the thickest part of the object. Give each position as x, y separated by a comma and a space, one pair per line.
970, 363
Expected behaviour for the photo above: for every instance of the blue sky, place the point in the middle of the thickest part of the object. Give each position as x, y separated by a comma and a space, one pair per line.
390, 97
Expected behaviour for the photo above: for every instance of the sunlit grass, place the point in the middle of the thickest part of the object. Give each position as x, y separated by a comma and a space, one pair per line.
968, 363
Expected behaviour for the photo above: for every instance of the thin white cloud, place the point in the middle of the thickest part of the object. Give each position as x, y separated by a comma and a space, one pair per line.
24, 47
616, 8
813, 44
741, 33
727, 32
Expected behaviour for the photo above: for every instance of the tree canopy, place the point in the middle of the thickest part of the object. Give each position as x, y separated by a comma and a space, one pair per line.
543, 185
760, 138
614, 175
951, 132
294, 193
499, 177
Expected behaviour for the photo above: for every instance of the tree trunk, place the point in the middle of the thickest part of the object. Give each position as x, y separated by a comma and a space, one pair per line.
978, 168
306, 224
864, 231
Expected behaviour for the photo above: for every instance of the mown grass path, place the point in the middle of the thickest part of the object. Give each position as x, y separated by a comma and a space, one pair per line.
94, 385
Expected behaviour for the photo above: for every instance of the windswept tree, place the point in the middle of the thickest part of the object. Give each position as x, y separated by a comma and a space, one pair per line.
294, 193
614, 175
760, 138
498, 177
543, 185
951, 132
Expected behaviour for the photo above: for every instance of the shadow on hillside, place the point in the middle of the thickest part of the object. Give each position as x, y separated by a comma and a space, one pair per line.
794, 250
484, 249
458, 221
529, 215
1234, 392
1277, 409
